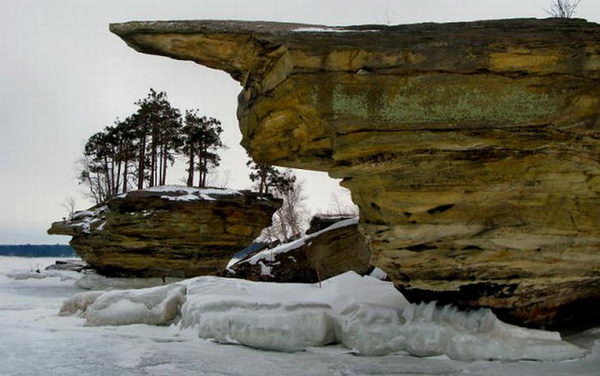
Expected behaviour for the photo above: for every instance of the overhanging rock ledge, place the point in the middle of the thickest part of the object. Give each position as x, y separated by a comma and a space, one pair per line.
472, 149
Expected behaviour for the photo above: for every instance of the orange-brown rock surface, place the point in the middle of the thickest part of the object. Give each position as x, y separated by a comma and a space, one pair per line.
472, 149
167, 231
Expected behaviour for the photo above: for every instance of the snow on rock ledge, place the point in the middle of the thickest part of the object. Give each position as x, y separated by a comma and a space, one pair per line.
183, 193
167, 231
331, 251
364, 314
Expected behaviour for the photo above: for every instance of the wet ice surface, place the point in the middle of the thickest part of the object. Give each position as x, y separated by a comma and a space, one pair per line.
34, 340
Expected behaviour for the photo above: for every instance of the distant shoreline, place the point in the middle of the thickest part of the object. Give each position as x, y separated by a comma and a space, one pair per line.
37, 250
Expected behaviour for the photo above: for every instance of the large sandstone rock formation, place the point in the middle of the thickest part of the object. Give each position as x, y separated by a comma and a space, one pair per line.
472, 149
167, 231
319, 255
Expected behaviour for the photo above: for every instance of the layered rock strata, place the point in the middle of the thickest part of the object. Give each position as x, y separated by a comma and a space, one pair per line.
472, 149
167, 231
333, 250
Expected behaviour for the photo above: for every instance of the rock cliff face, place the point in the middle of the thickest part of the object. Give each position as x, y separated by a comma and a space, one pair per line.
317, 256
167, 231
472, 149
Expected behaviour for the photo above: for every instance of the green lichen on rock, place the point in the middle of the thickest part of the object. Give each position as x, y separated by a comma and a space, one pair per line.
447, 103
355, 104
465, 104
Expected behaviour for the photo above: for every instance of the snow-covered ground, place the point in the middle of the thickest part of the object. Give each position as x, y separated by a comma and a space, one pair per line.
35, 340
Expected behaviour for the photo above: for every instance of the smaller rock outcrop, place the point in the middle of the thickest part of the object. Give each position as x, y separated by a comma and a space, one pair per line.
167, 231
334, 250
69, 265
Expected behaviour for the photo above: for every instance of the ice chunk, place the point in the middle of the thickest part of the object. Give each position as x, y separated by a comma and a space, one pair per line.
282, 317
262, 315
364, 314
79, 303
369, 316
152, 306
278, 327
427, 330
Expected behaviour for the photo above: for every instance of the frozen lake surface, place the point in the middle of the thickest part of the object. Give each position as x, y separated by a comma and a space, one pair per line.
34, 340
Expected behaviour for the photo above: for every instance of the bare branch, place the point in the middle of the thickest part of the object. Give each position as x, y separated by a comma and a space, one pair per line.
563, 8
69, 205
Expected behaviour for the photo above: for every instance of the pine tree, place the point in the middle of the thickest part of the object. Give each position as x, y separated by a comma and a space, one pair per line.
201, 140
126, 154
157, 126
268, 179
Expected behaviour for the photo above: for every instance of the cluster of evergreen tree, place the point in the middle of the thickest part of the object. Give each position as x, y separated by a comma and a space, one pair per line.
137, 151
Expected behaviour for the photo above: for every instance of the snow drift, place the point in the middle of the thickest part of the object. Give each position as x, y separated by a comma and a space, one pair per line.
366, 315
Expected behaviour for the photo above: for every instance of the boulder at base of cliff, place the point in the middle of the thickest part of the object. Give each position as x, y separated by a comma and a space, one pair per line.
333, 250
167, 231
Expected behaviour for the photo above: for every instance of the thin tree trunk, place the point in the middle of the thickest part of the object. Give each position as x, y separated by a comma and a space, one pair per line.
166, 160
263, 189
112, 175
200, 171
141, 163
101, 195
108, 189
190, 179
153, 161
118, 182
125, 174
160, 166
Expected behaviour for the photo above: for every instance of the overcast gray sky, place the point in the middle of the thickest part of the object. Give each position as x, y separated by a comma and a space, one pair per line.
63, 76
